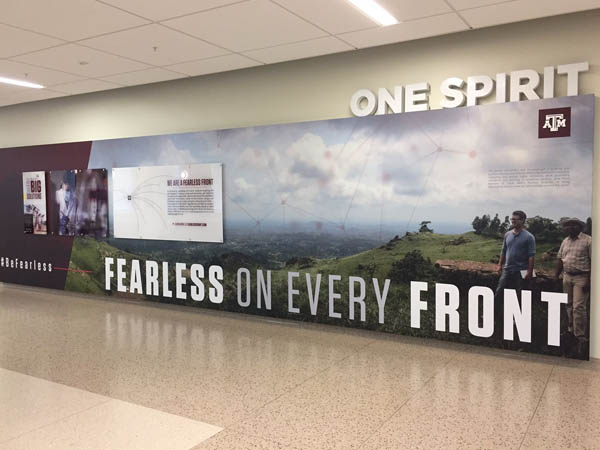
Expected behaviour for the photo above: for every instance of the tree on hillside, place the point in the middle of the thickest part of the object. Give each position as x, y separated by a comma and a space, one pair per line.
505, 226
588, 226
414, 266
480, 224
544, 229
423, 228
494, 227
477, 225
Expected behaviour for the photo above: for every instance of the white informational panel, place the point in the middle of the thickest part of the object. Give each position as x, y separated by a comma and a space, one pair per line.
34, 203
175, 203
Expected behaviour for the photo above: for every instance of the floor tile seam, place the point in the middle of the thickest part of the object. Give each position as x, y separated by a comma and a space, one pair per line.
409, 398
63, 385
107, 399
330, 361
428, 343
61, 419
47, 380
320, 327
536, 408
359, 349
356, 351
232, 427
284, 392
331, 364
262, 438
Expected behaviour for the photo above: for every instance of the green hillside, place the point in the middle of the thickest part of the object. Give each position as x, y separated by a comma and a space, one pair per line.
88, 255
464, 247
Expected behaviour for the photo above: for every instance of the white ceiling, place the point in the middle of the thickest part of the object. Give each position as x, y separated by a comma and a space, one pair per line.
79, 46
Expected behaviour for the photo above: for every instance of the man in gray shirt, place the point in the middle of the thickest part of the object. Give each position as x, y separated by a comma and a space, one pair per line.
516, 264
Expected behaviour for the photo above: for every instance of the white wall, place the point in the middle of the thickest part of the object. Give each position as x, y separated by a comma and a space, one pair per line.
318, 88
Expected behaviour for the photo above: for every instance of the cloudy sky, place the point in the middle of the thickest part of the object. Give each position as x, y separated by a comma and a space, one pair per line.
391, 171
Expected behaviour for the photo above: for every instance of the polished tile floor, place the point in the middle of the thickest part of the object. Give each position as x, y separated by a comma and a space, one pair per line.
89, 373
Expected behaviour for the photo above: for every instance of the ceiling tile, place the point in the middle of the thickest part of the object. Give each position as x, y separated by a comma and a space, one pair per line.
334, 16
161, 10
7, 90
519, 10
67, 19
143, 77
25, 95
14, 41
172, 47
305, 49
406, 31
214, 65
247, 26
46, 77
84, 86
466, 4
340, 16
411, 9
69, 58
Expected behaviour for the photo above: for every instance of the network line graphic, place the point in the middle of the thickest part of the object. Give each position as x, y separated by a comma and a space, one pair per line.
139, 198
373, 177
360, 145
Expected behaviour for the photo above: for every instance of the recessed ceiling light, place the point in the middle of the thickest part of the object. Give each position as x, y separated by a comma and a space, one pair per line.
21, 83
375, 11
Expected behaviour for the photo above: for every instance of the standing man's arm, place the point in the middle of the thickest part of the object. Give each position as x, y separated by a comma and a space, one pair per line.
559, 268
588, 280
590, 251
502, 255
559, 263
530, 263
531, 260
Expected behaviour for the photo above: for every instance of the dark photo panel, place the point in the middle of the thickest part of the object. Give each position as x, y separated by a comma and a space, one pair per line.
63, 202
92, 203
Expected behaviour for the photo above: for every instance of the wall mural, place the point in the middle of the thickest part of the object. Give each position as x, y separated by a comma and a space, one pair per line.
469, 224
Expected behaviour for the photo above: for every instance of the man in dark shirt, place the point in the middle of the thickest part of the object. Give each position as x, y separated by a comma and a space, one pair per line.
516, 264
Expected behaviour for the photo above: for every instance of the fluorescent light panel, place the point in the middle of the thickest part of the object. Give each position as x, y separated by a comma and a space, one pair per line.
375, 11
20, 83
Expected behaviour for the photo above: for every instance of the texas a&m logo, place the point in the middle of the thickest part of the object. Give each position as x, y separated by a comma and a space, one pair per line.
554, 123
